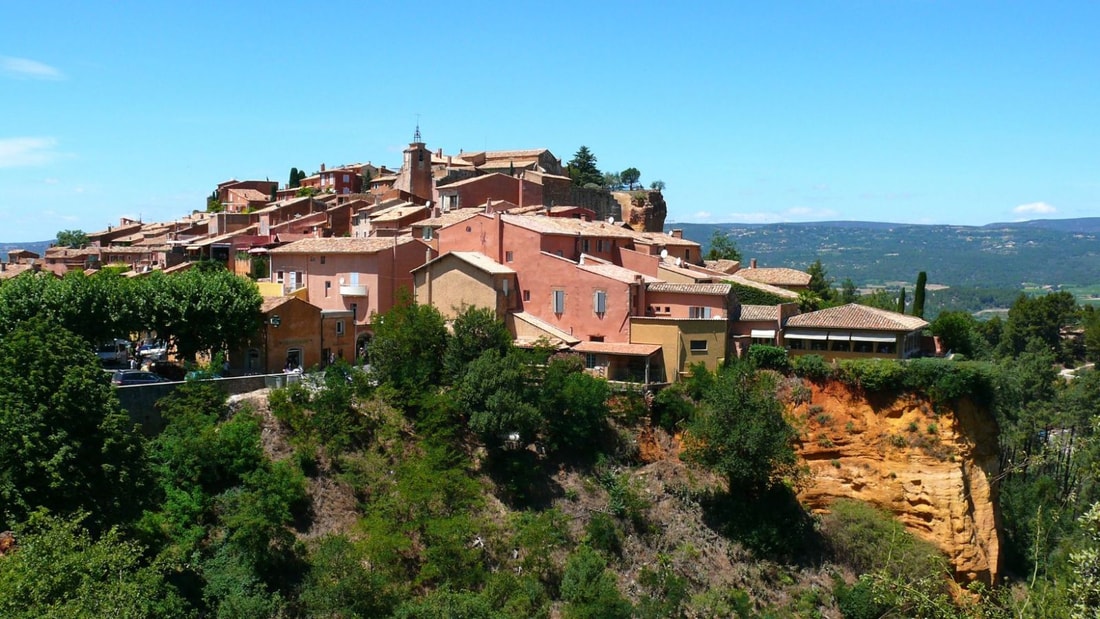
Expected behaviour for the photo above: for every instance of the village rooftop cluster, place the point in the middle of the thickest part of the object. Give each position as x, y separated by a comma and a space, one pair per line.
570, 267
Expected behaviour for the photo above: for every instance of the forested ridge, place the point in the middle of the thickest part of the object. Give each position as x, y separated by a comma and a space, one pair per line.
462, 477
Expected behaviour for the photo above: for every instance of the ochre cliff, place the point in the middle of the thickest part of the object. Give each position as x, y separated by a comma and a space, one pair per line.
933, 471
643, 211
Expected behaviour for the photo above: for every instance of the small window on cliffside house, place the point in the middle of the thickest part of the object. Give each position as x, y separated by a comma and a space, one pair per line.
339, 327
426, 233
599, 302
698, 346
509, 256
559, 301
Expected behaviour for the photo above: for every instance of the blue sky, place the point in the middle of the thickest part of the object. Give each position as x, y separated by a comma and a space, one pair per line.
903, 111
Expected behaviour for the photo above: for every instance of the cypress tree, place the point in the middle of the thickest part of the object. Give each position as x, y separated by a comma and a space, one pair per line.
901, 301
918, 295
293, 178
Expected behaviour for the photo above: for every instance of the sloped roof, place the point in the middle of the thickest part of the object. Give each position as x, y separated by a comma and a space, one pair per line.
776, 276
614, 272
759, 312
567, 226
723, 265
613, 348
475, 259
550, 330
855, 316
446, 219
660, 238
711, 289
251, 194
777, 291
342, 245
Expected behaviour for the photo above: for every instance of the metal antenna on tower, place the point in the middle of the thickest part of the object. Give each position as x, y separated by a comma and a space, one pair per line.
416, 136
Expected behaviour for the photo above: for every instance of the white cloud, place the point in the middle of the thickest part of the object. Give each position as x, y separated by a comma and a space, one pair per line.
797, 213
18, 152
1035, 208
23, 68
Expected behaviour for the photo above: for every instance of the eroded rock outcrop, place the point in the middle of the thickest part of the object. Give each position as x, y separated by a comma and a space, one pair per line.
644, 211
933, 471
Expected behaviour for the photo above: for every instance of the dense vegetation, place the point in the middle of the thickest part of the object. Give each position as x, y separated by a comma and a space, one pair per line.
490, 481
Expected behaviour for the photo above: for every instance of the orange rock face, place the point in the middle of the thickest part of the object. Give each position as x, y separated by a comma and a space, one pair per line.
932, 470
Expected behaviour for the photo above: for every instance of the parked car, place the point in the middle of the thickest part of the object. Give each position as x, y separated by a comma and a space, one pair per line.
153, 351
135, 377
115, 352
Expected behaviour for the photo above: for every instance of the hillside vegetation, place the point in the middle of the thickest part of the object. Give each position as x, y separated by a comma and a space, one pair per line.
461, 477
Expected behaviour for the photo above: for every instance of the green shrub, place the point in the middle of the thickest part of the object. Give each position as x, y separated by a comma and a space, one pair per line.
589, 590
812, 367
671, 408
603, 534
867, 539
873, 375
770, 358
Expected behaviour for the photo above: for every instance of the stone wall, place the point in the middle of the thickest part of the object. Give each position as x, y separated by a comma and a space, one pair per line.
644, 211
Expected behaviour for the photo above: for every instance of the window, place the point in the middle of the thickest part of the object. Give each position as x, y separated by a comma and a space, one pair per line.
526, 295
599, 302
584, 245
354, 311
698, 346
328, 286
279, 277
603, 245
559, 301
590, 360
426, 233
699, 312
322, 259
506, 287
293, 358
794, 344
687, 255
346, 178
509, 256
339, 327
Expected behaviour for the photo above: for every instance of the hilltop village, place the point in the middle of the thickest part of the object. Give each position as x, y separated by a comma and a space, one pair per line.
569, 266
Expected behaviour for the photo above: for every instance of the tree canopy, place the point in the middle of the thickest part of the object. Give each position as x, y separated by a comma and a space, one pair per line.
721, 247
72, 238
630, 177
64, 442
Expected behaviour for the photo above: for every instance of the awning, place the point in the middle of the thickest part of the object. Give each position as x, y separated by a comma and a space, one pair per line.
839, 336
763, 333
796, 334
864, 336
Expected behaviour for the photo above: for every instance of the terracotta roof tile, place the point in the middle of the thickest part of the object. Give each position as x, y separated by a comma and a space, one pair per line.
776, 276
855, 316
342, 245
759, 312
711, 289
777, 291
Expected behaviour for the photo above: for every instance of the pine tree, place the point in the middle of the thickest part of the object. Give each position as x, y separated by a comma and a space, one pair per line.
582, 168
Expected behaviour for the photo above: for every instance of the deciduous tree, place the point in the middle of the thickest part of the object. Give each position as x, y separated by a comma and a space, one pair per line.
721, 247
64, 443
72, 238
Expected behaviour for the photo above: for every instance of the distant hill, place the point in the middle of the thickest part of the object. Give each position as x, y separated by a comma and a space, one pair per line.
1063, 252
38, 247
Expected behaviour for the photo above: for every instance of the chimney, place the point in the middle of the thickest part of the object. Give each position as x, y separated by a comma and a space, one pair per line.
448, 161
677, 233
322, 167
439, 153
752, 263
